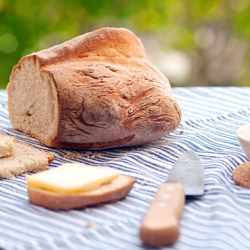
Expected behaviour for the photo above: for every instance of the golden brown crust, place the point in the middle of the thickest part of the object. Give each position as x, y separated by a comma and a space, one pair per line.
99, 145
108, 94
241, 175
105, 42
114, 191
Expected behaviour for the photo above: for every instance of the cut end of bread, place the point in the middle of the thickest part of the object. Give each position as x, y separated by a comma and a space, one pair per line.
32, 102
114, 191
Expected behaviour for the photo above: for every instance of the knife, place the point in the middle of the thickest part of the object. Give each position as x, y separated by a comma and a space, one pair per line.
161, 225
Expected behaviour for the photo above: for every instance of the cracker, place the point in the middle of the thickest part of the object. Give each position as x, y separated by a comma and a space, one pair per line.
241, 175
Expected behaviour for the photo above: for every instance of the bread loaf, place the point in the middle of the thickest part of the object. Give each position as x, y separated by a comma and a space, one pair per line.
95, 91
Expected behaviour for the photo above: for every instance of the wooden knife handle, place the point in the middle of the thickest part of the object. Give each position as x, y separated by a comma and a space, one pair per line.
161, 223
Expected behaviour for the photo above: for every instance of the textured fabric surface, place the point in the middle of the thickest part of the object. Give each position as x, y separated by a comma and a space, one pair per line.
220, 219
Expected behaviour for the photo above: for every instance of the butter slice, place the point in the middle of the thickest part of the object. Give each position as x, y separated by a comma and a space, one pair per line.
72, 178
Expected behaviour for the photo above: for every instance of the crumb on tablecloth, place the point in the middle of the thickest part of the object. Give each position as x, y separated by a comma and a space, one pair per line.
76, 156
90, 224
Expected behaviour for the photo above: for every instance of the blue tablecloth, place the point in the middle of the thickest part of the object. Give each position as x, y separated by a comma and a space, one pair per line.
218, 220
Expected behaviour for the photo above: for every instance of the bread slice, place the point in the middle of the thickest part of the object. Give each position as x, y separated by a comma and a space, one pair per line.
111, 192
6, 145
24, 159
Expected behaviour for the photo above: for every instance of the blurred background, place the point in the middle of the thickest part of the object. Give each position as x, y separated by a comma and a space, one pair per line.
204, 43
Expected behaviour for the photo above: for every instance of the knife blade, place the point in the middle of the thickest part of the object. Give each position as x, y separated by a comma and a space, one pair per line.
189, 172
160, 226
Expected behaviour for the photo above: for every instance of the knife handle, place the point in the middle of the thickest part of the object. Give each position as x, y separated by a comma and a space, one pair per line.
161, 223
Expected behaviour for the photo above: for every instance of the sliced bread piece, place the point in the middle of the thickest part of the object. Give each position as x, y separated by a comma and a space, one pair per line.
24, 159
116, 190
71, 178
6, 145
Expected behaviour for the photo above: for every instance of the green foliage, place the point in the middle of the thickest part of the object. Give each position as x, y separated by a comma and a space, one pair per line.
28, 25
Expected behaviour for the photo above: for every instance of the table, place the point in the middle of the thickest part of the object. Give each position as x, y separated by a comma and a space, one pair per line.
218, 220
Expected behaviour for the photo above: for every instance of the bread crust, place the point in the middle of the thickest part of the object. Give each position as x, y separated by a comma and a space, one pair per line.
108, 94
114, 191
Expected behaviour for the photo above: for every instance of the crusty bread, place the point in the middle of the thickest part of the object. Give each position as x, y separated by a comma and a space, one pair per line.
24, 159
97, 90
6, 145
114, 191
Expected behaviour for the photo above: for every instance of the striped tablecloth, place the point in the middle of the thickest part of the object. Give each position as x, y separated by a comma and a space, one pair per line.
218, 220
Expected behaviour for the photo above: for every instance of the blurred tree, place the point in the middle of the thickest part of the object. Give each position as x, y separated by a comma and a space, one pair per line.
211, 37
